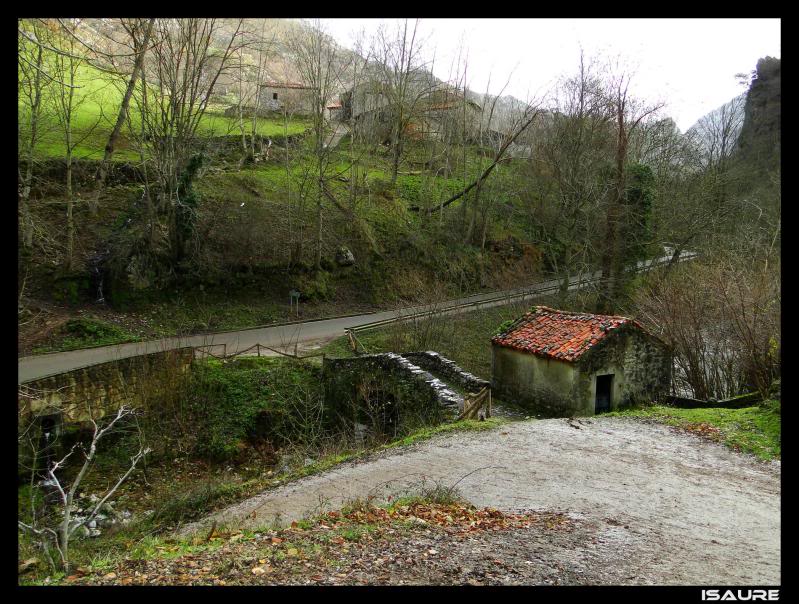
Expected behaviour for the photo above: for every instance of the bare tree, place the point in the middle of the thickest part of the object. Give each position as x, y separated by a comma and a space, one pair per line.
520, 123
628, 114
67, 104
139, 31
59, 536
319, 65
404, 80
572, 152
181, 74
721, 317
34, 79
716, 135
263, 47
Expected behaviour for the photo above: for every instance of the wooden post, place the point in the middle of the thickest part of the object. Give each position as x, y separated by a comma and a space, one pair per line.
489, 403
258, 348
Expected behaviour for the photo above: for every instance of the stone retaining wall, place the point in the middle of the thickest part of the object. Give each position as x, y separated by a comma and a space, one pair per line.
66, 401
93, 391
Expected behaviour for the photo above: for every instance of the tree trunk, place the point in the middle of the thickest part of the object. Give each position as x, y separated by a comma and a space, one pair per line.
27, 219
395, 160
611, 261
318, 262
70, 219
102, 173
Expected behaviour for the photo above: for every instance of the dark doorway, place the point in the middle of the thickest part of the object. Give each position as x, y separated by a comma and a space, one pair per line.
604, 388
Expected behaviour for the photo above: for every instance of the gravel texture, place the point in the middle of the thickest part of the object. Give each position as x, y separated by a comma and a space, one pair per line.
651, 504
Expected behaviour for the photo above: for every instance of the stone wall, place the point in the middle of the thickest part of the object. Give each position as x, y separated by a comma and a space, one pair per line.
546, 386
352, 385
647, 367
432, 361
93, 391
61, 404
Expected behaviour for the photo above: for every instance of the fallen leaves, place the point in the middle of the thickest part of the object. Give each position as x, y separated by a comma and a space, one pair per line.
703, 430
341, 547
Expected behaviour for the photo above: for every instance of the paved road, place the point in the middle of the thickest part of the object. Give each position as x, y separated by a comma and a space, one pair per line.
658, 506
279, 336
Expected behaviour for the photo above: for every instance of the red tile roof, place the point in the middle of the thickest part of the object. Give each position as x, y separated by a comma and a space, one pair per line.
559, 334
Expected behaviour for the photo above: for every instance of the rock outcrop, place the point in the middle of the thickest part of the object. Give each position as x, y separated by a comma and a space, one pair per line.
759, 142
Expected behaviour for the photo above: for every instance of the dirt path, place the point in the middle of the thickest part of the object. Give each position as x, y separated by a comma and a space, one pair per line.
658, 506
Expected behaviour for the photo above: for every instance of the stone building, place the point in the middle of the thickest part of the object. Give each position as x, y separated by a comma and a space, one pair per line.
434, 111
334, 111
289, 96
562, 363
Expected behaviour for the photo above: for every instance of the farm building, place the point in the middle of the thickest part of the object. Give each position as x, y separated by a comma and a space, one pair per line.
289, 96
435, 111
334, 111
562, 363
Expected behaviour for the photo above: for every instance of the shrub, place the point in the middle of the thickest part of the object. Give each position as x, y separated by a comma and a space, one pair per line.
86, 332
315, 287
503, 327
71, 289
721, 316
248, 400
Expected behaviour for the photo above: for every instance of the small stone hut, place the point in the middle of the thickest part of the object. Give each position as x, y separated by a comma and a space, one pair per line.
334, 111
291, 96
562, 363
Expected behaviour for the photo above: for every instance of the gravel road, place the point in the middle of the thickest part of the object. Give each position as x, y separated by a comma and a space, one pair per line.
657, 506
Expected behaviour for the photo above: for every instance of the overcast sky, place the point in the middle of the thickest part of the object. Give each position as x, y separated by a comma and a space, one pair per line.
688, 63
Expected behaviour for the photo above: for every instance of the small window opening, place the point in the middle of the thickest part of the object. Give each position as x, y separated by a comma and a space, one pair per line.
274, 96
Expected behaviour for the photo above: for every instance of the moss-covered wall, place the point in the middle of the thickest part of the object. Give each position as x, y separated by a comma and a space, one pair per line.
356, 389
69, 400
545, 385
93, 391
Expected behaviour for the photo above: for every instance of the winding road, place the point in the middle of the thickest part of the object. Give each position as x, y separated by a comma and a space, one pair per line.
287, 335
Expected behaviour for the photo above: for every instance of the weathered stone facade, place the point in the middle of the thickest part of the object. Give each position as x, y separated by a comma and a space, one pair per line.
95, 390
386, 391
293, 98
67, 401
639, 363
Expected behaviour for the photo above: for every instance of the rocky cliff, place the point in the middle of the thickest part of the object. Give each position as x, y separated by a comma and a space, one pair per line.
759, 142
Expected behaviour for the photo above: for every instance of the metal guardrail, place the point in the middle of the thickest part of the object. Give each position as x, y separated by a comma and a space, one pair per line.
580, 283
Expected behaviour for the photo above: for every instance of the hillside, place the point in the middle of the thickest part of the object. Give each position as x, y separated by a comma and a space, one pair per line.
378, 232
